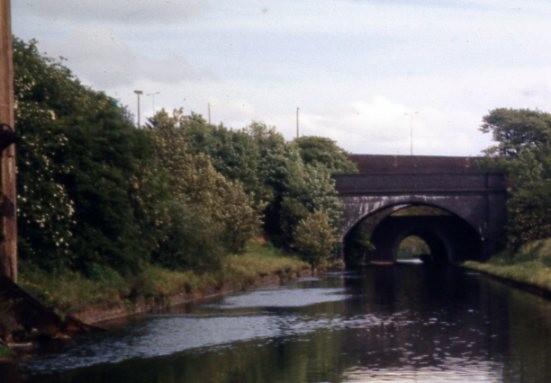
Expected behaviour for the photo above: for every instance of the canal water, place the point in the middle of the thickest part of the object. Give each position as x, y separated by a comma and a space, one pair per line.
398, 324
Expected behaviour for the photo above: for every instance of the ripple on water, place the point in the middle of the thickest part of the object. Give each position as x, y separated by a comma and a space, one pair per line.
432, 338
165, 335
169, 335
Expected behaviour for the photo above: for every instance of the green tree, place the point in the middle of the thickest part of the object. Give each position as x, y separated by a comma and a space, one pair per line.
190, 238
283, 187
314, 238
523, 151
194, 181
253, 156
323, 151
515, 130
309, 188
78, 161
529, 209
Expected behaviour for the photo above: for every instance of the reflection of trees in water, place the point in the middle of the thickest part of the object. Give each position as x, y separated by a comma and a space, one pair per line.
400, 317
471, 318
525, 322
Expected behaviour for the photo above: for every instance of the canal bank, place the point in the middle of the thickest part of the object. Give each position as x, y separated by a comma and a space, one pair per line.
529, 268
74, 305
155, 288
98, 315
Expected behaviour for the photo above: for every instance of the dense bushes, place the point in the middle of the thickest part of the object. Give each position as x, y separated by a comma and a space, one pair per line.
77, 161
97, 194
283, 188
315, 238
530, 212
207, 213
523, 151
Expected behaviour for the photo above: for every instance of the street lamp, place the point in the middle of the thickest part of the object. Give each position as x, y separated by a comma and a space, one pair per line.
411, 116
298, 122
139, 93
152, 95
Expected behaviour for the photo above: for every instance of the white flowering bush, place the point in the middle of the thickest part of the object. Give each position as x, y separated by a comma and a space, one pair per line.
78, 155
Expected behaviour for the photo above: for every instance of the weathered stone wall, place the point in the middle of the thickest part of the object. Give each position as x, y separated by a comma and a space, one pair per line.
476, 198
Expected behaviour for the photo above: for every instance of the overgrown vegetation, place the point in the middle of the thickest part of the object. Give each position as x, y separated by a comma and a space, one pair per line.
314, 237
105, 208
530, 265
69, 291
523, 151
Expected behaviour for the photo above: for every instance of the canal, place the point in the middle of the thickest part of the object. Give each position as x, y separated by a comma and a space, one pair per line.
401, 324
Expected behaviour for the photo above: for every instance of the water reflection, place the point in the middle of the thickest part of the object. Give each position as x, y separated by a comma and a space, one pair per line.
284, 297
400, 324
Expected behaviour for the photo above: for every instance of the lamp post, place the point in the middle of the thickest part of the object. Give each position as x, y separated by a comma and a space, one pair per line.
298, 122
152, 95
139, 93
411, 116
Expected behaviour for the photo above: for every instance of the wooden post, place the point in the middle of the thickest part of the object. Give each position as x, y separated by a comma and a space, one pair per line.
8, 222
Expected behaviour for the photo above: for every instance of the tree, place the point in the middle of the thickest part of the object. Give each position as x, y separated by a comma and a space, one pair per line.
523, 151
195, 182
191, 238
515, 130
322, 151
315, 238
309, 188
78, 160
530, 211
283, 187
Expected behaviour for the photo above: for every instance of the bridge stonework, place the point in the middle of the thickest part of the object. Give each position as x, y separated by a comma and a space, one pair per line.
447, 183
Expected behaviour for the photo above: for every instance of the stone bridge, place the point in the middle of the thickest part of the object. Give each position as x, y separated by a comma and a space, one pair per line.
473, 201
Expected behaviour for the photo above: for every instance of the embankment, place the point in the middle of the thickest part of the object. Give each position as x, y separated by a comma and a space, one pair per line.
113, 297
528, 268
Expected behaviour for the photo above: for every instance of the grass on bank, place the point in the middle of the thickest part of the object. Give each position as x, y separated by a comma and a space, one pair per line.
530, 265
69, 291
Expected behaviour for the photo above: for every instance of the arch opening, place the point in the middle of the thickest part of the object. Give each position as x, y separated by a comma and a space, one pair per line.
412, 248
380, 237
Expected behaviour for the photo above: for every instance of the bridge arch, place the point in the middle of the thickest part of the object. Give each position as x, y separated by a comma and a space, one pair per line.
476, 200
358, 208
449, 236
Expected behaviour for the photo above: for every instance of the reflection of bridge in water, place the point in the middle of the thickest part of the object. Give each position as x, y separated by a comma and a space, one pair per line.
473, 203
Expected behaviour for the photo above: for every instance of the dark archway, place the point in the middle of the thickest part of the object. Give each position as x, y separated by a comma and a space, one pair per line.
376, 238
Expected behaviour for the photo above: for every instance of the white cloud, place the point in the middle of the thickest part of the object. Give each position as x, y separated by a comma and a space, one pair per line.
105, 60
117, 11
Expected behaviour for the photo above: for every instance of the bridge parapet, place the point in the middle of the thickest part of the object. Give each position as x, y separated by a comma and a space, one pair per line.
407, 183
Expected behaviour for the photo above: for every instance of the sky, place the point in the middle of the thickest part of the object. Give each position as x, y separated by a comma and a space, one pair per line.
364, 73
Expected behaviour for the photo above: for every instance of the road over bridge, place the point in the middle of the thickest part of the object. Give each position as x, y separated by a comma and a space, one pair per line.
473, 203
